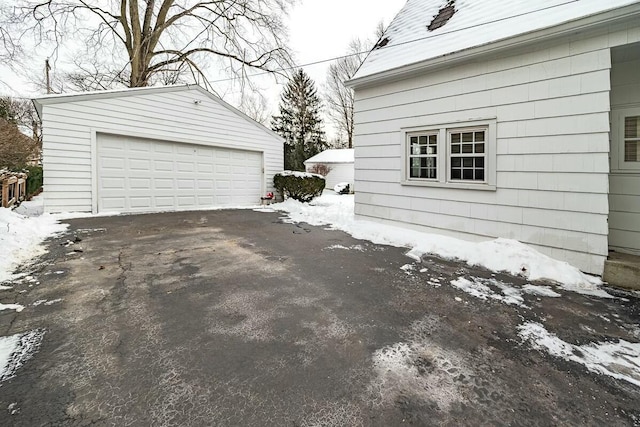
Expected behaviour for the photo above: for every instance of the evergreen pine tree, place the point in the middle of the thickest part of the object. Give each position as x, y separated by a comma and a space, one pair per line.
299, 122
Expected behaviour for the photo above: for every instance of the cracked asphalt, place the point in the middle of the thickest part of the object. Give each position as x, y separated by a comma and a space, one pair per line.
226, 318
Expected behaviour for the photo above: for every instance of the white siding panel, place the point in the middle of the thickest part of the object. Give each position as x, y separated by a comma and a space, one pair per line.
164, 116
552, 108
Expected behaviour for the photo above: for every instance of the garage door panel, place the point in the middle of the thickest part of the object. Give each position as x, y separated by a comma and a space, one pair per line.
137, 175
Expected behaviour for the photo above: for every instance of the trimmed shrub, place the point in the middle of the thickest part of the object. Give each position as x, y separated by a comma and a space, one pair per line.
300, 186
34, 180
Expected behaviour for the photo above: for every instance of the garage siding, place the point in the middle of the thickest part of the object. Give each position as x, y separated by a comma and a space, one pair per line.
185, 115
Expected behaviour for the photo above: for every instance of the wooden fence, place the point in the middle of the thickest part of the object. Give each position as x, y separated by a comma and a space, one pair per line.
14, 189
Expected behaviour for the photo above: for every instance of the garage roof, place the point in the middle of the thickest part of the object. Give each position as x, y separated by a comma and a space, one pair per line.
341, 155
118, 93
426, 29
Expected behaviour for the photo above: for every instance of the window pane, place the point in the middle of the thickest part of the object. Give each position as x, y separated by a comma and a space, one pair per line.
456, 174
467, 174
456, 162
423, 139
415, 173
467, 137
467, 162
415, 162
479, 162
455, 149
479, 174
480, 136
415, 149
631, 151
455, 138
414, 140
632, 127
423, 149
479, 148
432, 150
433, 139
432, 174
467, 148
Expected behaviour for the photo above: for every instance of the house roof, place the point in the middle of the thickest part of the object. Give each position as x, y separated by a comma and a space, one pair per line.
409, 40
342, 155
124, 92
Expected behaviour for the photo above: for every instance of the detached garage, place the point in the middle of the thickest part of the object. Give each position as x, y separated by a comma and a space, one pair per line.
153, 149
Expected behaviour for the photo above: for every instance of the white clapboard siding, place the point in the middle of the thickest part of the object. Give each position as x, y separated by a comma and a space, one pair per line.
183, 115
551, 103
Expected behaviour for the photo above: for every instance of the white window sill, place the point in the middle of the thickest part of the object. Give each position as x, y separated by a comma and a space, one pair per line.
452, 185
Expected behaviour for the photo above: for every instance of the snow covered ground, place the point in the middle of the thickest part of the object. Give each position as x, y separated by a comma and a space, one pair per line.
500, 255
21, 235
22, 232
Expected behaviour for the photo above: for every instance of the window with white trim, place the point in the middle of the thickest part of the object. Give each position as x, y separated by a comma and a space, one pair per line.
423, 155
458, 155
467, 154
625, 140
632, 139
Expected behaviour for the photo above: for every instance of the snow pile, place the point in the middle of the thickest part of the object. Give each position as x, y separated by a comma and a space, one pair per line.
341, 188
301, 174
504, 255
619, 360
16, 349
21, 238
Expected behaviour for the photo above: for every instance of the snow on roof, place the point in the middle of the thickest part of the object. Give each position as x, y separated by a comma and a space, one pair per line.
408, 40
341, 155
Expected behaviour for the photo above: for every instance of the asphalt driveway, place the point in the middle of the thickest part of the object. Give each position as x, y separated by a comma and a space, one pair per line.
240, 318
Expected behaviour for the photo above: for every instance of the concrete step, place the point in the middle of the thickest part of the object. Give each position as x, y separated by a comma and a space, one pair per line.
622, 270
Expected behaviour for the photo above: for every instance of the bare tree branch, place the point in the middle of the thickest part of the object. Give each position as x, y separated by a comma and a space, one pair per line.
146, 39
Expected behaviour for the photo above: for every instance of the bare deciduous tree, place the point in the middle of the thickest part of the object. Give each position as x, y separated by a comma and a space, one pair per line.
140, 42
339, 98
255, 106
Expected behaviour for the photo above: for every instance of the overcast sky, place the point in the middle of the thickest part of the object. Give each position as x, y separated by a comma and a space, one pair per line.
318, 30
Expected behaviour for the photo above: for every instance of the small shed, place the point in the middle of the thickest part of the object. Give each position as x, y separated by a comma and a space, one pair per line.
338, 161
153, 149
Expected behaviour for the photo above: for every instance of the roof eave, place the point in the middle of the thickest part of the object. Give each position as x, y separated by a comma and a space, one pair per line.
582, 24
84, 96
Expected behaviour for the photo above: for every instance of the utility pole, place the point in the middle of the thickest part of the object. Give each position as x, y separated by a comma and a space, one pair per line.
47, 67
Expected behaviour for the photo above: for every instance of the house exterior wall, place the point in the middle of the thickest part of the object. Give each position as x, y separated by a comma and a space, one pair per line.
624, 185
69, 127
340, 172
551, 108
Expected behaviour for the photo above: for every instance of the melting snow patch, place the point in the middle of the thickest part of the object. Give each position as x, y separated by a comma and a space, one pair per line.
543, 291
619, 360
479, 288
45, 302
16, 307
352, 247
408, 268
17, 349
505, 255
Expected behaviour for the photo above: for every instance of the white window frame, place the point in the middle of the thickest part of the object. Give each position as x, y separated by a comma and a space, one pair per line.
618, 140
419, 156
443, 164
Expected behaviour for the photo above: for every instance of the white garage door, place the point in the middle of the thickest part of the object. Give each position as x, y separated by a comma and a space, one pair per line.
141, 175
